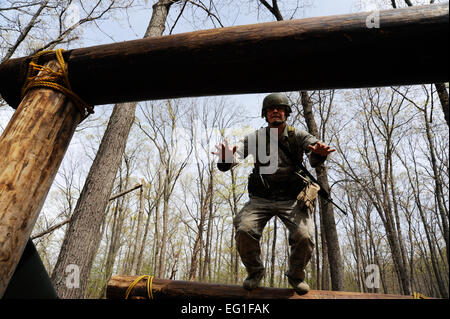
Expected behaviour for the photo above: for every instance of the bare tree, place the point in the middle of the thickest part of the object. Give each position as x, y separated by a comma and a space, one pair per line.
440, 197
205, 121
326, 209
418, 189
381, 134
442, 92
89, 212
137, 247
441, 88
160, 124
32, 26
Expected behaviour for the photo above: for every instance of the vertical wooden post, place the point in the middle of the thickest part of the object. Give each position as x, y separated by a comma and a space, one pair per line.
32, 148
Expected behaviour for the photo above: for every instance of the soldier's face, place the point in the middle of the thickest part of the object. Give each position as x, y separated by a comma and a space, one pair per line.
276, 115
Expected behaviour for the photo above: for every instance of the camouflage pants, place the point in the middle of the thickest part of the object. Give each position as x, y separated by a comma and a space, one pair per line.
250, 222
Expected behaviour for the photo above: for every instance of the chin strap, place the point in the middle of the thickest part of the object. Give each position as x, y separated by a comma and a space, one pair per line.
276, 123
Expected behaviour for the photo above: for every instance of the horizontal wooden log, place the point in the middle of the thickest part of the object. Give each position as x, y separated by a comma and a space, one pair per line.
167, 289
409, 47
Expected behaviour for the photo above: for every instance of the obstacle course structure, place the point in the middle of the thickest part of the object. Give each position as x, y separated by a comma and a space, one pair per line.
120, 287
410, 46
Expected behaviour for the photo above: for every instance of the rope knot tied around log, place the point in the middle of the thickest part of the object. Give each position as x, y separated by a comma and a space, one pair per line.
149, 286
57, 80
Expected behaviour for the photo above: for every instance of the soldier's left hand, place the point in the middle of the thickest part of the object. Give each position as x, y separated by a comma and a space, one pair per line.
321, 149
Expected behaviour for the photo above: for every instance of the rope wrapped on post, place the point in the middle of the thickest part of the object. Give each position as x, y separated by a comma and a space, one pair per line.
57, 80
149, 286
417, 295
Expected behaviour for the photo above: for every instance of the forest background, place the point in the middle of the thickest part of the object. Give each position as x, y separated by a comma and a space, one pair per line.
390, 171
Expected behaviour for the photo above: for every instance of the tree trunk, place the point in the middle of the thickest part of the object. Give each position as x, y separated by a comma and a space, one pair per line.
357, 243
334, 255
440, 87
414, 181
218, 269
80, 243
439, 194
397, 219
316, 263
392, 211
33, 145
199, 238
138, 240
114, 245
274, 251
206, 265
443, 98
142, 246
157, 246
234, 211
165, 221
325, 273
378, 123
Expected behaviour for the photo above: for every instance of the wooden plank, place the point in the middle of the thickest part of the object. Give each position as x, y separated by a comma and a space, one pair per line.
409, 47
166, 289
33, 145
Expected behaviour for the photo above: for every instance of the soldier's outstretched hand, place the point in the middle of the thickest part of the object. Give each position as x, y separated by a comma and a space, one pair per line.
225, 152
321, 149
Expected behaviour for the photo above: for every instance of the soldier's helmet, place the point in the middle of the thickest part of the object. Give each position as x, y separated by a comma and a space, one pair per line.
275, 99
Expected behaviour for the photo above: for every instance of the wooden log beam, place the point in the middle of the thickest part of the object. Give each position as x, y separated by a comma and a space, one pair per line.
167, 289
409, 47
32, 146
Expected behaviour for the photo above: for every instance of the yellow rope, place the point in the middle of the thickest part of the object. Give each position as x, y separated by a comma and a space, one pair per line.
417, 295
57, 80
149, 286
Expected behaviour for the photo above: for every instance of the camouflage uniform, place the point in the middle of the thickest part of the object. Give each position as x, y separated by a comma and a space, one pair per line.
280, 202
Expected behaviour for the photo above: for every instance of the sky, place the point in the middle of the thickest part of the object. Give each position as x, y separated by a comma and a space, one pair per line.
138, 19
121, 29
133, 25
136, 25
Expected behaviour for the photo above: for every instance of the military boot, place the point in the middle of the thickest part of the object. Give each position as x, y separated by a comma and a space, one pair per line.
253, 279
300, 286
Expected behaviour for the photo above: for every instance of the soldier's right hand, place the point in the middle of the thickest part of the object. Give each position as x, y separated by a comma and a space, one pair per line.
225, 152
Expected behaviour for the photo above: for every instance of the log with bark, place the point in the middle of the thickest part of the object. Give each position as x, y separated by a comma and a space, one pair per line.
167, 289
83, 235
33, 146
314, 53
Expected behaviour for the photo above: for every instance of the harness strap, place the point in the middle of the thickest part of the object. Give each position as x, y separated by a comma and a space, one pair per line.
293, 146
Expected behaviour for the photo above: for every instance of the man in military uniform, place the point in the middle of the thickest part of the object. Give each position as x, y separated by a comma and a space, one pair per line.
273, 190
